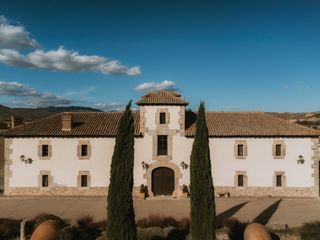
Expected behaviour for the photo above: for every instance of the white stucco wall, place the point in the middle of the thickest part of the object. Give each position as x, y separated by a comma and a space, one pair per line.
181, 153
64, 164
260, 164
151, 113
142, 153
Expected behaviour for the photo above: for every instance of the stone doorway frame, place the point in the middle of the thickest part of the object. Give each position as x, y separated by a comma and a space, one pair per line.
172, 166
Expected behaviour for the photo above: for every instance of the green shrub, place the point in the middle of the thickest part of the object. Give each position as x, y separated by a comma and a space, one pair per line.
184, 224
310, 231
85, 221
157, 221
185, 188
235, 228
9, 228
89, 229
69, 233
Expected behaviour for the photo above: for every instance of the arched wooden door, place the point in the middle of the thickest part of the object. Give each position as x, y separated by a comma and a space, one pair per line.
162, 181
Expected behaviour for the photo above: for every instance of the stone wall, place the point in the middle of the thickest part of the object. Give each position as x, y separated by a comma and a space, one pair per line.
58, 191
265, 191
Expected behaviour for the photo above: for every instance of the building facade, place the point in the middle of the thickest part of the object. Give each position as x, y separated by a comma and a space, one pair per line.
252, 154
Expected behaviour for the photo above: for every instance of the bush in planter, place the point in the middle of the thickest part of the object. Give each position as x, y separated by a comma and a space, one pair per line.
144, 190
185, 188
310, 231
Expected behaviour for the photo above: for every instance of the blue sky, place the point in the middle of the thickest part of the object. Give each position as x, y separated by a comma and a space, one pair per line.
234, 55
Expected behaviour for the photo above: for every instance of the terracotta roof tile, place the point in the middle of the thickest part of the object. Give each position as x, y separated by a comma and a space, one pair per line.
220, 124
247, 124
162, 98
96, 124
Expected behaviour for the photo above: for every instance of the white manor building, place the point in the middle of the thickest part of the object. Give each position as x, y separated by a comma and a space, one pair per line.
252, 154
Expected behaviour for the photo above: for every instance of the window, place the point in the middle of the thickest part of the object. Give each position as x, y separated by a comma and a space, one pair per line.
162, 145
45, 181
240, 150
84, 181
45, 150
162, 119
278, 150
279, 180
240, 180
84, 150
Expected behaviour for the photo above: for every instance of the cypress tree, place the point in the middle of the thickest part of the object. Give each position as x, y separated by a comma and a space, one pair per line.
120, 212
202, 225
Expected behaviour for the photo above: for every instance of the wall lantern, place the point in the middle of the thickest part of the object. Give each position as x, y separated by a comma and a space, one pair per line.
26, 160
184, 165
300, 160
145, 165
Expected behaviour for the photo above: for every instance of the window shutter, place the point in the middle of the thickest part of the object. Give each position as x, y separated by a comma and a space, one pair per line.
245, 150
49, 150
273, 150
283, 150
235, 150
79, 150
245, 180
40, 150
89, 150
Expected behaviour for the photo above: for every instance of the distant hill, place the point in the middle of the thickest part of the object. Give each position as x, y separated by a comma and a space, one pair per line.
308, 119
31, 114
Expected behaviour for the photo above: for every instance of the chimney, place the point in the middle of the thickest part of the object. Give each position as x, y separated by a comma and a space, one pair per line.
66, 119
16, 121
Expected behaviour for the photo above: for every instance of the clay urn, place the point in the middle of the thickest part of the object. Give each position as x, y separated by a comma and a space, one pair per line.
256, 231
46, 231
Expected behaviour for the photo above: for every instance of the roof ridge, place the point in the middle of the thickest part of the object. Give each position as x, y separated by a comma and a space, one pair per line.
161, 97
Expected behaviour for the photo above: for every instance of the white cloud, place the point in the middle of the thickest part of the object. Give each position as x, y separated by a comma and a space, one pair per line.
25, 96
65, 60
152, 86
80, 92
15, 36
111, 107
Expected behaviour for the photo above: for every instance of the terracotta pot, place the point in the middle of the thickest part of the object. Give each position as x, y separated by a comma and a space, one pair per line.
185, 194
142, 195
256, 231
46, 231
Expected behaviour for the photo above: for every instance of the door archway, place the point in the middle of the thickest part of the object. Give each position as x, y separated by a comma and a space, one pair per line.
163, 181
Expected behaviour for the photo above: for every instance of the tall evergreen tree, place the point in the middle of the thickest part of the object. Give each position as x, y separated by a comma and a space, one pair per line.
202, 225
120, 212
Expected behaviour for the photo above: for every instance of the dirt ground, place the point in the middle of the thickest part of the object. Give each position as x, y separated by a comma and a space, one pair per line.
269, 211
